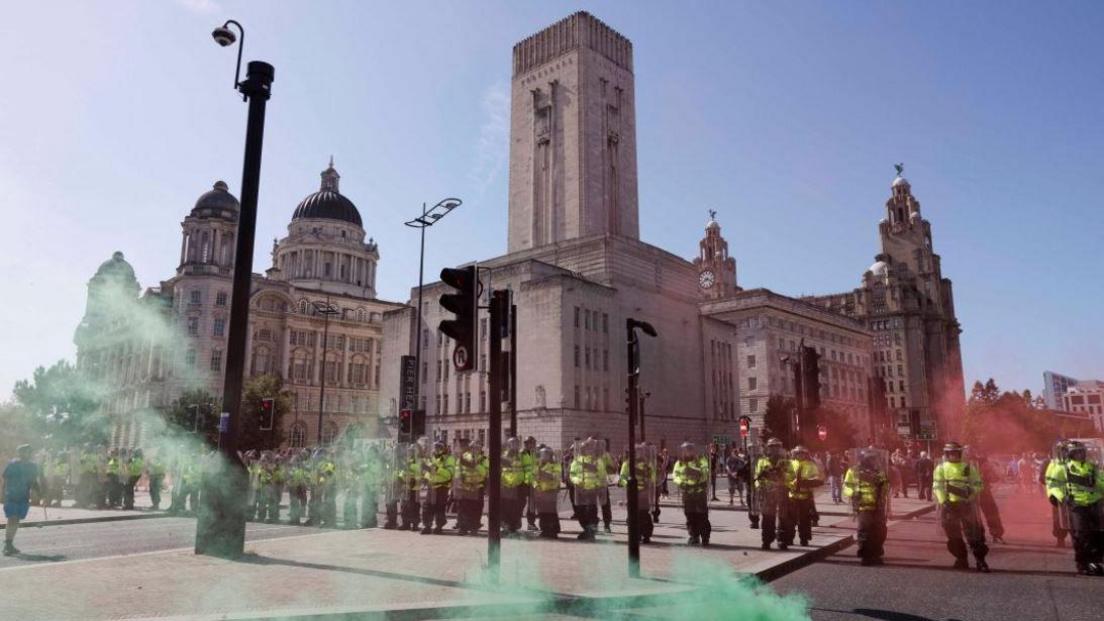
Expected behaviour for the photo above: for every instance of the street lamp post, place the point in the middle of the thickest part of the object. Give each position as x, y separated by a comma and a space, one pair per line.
633, 502
325, 309
423, 222
644, 394
220, 529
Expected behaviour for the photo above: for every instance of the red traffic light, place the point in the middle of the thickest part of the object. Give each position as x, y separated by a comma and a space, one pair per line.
267, 414
822, 432
745, 426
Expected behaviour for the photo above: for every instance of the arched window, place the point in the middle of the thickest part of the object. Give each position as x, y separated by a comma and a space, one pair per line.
329, 432
303, 307
298, 436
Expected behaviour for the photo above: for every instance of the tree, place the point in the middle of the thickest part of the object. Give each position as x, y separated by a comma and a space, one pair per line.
841, 433
258, 388
195, 412
1008, 422
63, 406
778, 419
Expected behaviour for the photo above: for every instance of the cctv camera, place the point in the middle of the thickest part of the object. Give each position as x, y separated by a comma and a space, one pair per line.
224, 36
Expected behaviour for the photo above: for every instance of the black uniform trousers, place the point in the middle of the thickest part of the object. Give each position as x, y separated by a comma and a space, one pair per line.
644, 523
410, 510
588, 517
797, 517
513, 502
771, 515
695, 506
1088, 538
433, 510
871, 534
959, 520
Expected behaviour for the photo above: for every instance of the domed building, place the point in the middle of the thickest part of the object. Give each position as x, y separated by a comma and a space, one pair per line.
321, 284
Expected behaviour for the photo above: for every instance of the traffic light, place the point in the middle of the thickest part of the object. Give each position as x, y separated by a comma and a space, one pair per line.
406, 422
464, 304
810, 381
745, 426
418, 423
267, 414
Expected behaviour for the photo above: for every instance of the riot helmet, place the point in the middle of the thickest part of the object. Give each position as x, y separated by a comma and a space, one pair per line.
513, 445
546, 455
952, 452
688, 450
800, 452
1076, 451
775, 450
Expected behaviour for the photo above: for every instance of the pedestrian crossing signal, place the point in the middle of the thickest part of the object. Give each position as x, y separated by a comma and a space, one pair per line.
267, 414
406, 420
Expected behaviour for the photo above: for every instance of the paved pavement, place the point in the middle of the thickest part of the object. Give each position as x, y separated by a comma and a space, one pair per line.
338, 572
1031, 578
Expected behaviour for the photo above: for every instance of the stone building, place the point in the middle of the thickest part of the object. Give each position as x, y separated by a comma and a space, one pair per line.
577, 270
324, 263
909, 306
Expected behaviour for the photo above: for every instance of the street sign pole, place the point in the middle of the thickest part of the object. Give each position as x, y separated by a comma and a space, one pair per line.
500, 307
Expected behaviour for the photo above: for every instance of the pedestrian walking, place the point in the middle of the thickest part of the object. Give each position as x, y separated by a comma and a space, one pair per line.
924, 469
736, 470
21, 478
836, 471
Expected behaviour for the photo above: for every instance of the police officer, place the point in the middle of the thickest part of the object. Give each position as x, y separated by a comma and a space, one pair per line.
588, 476
805, 477
471, 475
440, 471
957, 484
1059, 527
691, 474
131, 472
546, 491
371, 475
298, 482
772, 477
515, 486
645, 490
866, 485
1078, 488
529, 463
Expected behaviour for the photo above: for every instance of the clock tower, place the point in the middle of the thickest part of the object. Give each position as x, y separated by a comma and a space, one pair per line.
716, 270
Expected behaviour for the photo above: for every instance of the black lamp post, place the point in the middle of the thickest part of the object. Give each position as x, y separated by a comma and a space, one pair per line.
423, 222
633, 344
220, 529
326, 310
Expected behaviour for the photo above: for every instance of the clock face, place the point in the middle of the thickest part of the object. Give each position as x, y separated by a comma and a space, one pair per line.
706, 279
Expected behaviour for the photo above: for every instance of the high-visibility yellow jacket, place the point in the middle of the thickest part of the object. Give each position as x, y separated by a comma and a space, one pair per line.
1055, 486
471, 471
865, 488
1080, 483
645, 473
692, 475
514, 473
442, 469
324, 472
954, 483
772, 476
805, 476
547, 477
529, 463
588, 472
135, 467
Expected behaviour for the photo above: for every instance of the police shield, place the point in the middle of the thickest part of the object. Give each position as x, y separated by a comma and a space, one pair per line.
468, 479
513, 470
695, 479
547, 480
870, 465
646, 475
588, 473
754, 452
397, 471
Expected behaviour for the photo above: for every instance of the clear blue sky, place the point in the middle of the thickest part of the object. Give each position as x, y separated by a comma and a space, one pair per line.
785, 117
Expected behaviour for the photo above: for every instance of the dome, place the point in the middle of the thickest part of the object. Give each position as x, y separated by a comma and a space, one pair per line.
900, 181
217, 202
880, 268
116, 266
328, 202
328, 205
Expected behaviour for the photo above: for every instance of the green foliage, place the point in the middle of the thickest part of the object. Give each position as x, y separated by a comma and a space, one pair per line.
62, 406
258, 388
1008, 422
196, 413
778, 419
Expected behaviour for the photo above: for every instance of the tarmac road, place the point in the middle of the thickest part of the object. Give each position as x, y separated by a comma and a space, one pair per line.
1031, 579
85, 541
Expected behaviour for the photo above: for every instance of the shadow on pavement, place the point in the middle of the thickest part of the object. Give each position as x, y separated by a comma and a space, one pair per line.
996, 570
46, 558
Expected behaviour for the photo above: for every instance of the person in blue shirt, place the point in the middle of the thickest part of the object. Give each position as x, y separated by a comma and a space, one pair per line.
20, 476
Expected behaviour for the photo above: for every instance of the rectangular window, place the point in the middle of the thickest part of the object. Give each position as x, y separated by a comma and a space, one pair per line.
901, 385
437, 403
190, 357
444, 404
605, 398
751, 362
605, 323
220, 326
425, 370
578, 312
605, 360
587, 358
576, 356
193, 326
438, 371
216, 360
482, 401
220, 298
197, 296
900, 371
753, 405
483, 328
586, 319
752, 383
577, 399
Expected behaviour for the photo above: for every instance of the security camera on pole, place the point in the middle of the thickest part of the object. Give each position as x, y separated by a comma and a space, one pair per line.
220, 527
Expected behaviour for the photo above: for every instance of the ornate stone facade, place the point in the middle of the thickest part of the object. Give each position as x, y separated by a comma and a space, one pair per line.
909, 306
323, 262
